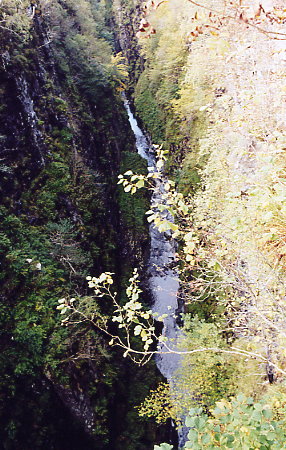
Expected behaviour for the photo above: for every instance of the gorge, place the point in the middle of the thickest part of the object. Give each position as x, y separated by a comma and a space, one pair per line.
207, 83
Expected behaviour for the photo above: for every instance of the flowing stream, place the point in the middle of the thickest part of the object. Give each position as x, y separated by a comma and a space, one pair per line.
164, 281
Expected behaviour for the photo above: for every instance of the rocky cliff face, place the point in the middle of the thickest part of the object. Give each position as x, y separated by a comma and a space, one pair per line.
64, 139
127, 15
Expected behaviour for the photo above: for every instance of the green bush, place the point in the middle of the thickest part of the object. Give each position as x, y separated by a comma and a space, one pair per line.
239, 424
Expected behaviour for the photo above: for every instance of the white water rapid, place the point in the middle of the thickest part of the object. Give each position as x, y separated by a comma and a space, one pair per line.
163, 279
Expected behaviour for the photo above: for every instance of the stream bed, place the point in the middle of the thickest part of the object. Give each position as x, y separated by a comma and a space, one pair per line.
164, 281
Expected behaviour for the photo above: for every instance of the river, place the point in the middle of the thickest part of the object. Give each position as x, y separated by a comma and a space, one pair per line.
164, 281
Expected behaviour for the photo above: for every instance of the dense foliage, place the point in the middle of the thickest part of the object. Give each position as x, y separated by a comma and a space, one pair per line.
65, 138
211, 93
241, 423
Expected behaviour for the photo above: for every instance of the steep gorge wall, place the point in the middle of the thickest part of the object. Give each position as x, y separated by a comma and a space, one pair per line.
213, 93
64, 139
126, 18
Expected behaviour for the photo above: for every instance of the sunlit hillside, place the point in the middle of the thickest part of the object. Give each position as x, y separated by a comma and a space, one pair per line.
213, 91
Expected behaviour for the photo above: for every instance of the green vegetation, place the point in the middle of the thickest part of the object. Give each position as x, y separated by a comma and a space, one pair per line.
65, 134
210, 93
133, 207
241, 423
207, 95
